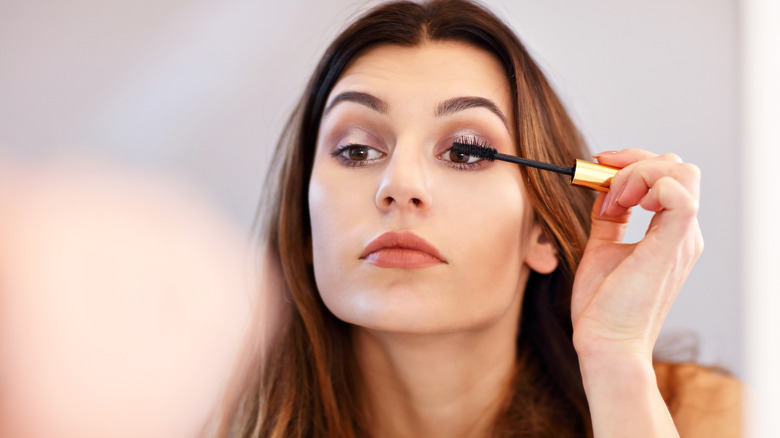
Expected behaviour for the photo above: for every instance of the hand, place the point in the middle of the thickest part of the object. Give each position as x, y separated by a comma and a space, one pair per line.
623, 292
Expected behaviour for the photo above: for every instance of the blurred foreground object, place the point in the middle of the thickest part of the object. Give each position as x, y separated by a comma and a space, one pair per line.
123, 301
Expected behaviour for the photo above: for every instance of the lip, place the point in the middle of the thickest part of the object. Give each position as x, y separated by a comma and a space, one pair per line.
401, 250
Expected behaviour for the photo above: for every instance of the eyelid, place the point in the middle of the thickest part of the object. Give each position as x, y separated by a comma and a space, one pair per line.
472, 159
354, 125
340, 150
466, 139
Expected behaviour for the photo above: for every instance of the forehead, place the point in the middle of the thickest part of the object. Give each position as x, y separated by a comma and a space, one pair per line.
430, 71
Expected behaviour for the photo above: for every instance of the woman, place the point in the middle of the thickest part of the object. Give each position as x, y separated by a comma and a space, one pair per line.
430, 293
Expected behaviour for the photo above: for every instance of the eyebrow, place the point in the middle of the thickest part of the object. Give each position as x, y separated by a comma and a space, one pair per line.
361, 98
456, 104
445, 108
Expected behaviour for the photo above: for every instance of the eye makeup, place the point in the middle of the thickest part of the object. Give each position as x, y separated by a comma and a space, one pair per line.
583, 173
354, 145
356, 155
462, 161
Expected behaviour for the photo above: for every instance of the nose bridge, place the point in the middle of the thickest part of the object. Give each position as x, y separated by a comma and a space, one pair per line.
404, 182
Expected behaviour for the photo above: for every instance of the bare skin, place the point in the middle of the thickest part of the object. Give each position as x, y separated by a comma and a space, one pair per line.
415, 390
436, 343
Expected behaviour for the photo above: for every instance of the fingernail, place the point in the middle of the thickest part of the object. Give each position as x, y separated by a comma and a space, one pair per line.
605, 153
605, 203
617, 197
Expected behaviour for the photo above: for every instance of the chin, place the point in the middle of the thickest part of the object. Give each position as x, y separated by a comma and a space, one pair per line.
402, 312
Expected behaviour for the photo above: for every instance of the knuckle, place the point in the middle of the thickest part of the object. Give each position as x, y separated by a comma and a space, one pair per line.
666, 181
691, 246
669, 156
695, 246
693, 170
691, 207
633, 151
699, 245
686, 203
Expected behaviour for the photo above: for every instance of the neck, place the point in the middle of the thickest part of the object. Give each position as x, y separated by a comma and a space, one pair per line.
438, 385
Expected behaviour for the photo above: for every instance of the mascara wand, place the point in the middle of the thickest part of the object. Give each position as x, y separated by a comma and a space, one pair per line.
583, 173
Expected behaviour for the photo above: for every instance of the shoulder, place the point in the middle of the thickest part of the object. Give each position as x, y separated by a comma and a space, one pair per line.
704, 401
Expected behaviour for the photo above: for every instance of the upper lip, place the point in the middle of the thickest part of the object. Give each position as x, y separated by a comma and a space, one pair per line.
402, 240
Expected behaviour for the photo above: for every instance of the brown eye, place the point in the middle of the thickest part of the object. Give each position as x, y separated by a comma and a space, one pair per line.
357, 153
458, 157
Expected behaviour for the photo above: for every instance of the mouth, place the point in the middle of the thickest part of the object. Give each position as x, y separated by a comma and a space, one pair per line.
401, 250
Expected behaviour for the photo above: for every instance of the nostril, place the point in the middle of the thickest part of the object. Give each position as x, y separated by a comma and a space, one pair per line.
388, 201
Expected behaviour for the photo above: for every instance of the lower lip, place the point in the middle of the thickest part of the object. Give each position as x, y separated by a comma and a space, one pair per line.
402, 258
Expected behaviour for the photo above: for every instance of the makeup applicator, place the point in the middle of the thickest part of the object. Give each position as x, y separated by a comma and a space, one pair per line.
583, 173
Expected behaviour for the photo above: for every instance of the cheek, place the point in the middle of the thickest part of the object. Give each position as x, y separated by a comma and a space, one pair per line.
493, 224
489, 209
328, 215
476, 221
339, 210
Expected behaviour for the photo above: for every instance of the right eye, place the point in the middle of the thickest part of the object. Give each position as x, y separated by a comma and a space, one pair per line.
460, 157
356, 154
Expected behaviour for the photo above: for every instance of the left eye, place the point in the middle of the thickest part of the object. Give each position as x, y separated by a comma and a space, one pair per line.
359, 153
459, 157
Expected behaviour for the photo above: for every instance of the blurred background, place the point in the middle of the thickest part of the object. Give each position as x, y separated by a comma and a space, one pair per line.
201, 89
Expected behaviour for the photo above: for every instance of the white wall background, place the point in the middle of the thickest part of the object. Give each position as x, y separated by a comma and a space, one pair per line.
202, 89
760, 102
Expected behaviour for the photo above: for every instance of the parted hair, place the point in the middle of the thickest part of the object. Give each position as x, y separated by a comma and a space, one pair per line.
307, 382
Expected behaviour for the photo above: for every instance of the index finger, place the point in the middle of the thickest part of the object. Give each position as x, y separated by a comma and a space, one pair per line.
623, 158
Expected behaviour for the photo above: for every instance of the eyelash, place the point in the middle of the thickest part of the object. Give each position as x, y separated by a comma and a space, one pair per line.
468, 140
339, 152
471, 141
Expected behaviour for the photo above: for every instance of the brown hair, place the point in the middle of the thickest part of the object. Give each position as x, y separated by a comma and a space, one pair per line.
308, 384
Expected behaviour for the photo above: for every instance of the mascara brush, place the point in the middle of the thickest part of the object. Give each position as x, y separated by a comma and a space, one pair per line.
583, 173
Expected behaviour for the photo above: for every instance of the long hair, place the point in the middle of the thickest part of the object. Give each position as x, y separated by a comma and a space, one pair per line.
308, 384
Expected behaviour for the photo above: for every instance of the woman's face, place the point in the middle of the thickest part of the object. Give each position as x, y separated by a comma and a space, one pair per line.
407, 236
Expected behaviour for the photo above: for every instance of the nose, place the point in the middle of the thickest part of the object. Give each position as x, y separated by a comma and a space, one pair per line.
404, 184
